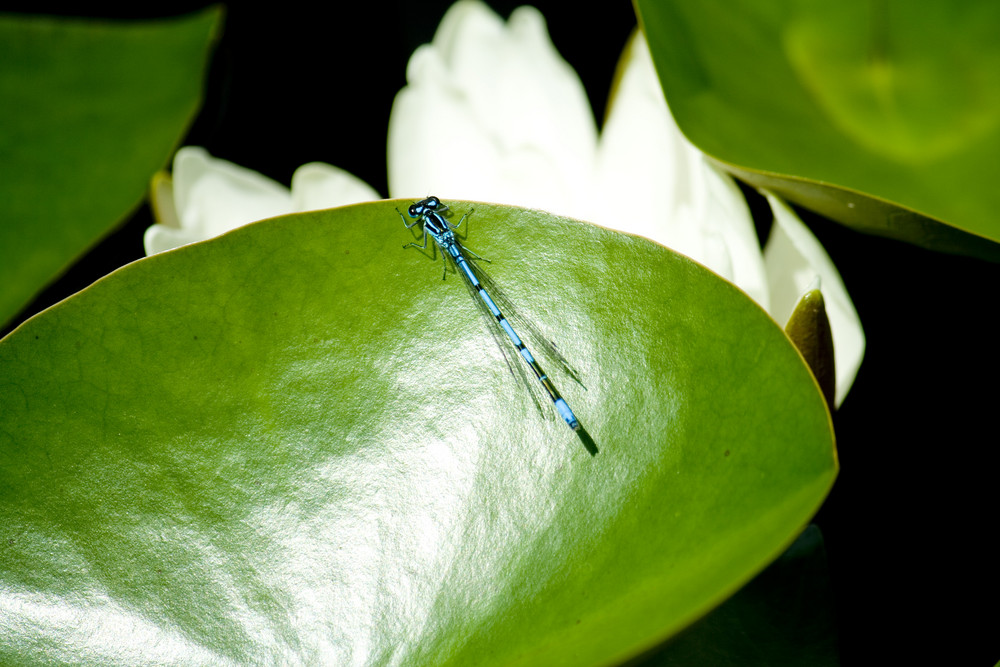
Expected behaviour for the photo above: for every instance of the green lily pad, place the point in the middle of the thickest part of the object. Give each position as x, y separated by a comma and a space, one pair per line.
90, 111
297, 443
883, 116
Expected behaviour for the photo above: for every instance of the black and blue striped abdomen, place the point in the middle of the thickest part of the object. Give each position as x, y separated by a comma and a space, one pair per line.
560, 403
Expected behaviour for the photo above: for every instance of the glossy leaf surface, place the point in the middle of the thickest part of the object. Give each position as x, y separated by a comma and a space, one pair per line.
882, 115
296, 443
90, 111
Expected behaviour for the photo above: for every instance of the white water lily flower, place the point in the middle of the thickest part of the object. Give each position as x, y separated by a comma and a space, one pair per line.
208, 196
461, 130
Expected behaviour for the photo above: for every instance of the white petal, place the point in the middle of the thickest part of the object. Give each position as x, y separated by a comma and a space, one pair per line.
214, 196
795, 259
318, 185
492, 112
208, 196
641, 162
435, 144
656, 184
160, 238
724, 213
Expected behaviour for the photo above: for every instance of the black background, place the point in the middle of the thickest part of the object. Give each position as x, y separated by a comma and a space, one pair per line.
909, 523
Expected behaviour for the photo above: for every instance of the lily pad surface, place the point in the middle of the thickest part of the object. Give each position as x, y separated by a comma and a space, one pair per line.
296, 443
882, 115
90, 111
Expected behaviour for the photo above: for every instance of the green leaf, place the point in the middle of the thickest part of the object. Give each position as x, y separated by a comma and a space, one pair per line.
90, 111
297, 443
882, 115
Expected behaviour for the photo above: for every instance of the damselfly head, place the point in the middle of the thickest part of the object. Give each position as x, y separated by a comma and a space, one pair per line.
423, 206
